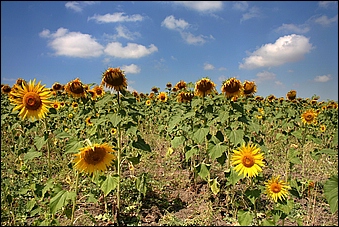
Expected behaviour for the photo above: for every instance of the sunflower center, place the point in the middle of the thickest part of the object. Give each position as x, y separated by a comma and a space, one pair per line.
114, 79
96, 156
204, 86
248, 161
309, 117
32, 101
232, 87
77, 88
276, 188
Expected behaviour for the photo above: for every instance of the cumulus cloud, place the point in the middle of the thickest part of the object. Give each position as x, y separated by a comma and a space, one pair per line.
78, 6
208, 66
202, 6
325, 21
192, 39
132, 50
264, 76
171, 23
323, 78
289, 48
132, 69
288, 28
72, 44
123, 32
115, 17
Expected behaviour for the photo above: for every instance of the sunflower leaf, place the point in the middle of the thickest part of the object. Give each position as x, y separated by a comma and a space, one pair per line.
177, 141
200, 134
115, 119
58, 201
217, 150
39, 142
203, 170
331, 193
244, 217
236, 136
109, 184
190, 153
141, 144
32, 154
215, 186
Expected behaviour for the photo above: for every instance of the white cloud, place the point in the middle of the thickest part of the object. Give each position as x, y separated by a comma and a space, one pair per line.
264, 76
252, 13
116, 17
72, 44
240, 5
289, 48
202, 6
279, 83
325, 21
208, 66
323, 78
171, 23
123, 32
222, 69
288, 28
192, 39
132, 50
132, 68
78, 6
326, 4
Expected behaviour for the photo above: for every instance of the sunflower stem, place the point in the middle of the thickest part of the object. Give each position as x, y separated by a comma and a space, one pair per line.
76, 194
118, 166
48, 149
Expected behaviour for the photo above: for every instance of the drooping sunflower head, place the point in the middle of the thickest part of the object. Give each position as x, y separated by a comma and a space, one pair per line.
155, 89
291, 95
180, 85
94, 158
249, 88
185, 96
248, 160
271, 98
309, 117
277, 189
135, 94
162, 96
75, 88
6, 89
57, 86
114, 78
169, 85
204, 87
314, 102
31, 99
142, 95
281, 100
151, 95
232, 87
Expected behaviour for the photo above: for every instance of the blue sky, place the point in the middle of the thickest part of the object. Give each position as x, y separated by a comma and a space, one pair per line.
281, 45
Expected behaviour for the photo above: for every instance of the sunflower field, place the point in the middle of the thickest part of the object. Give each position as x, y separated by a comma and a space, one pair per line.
98, 154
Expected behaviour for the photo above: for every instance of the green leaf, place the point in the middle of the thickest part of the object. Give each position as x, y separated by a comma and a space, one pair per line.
62, 135
331, 192
217, 150
200, 135
236, 136
39, 142
141, 144
215, 186
297, 134
141, 183
190, 153
30, 204
233, 177
72, 147
177, 141
203, 170
58, 201
32, 154
335, 138
252, 195
245, 218
109, 184
115, 119
49, 184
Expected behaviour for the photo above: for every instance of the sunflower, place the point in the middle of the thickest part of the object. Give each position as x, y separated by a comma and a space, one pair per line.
70, 116
148, 102
31, 99
270, 98
291, 95
151, 95
277, 189
232, 87
93, 94
56, 105
135, 94
249, 88
314, 102
247, 160
114, 131
169, 85
21, 82
204, 87
162, 96
322, 128
309, 117
62, 104
75, 105
114, 78
94, 158
180, 85
185, 96
155, 89
75, 88
57, 86
88, 121
6, 89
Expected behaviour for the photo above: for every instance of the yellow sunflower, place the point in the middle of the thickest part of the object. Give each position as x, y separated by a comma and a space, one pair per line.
114, 78
185, 96
6, 89
57, 86
232, 87
249, 88
94, 158
247, 160
277, 189
291, 95
99, 91
148, 102
204, 87
322, 128
180, 85
76, 88
155, 89
162, 96
114, 131
309, 117
88, 121
56, 105
31, 99
75, 105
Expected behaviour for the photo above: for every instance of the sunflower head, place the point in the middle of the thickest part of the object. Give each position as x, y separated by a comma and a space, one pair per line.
277, 189
248, 160
99, 91
75, 105
291, 95
169, 85
6, 89
204, 87
75, 88
309, 117
180, 85
249, 88
88, 121
322, 128
155, 89
270, 98
135, 94
148, 102
185, 96
57, 86
114, 131
31, 99
56, 105
162, 96
21, 82
114, 78
232, 87
94, 158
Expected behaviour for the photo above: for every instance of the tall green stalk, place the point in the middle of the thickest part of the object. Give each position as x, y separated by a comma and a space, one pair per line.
76, 194
118, 166
48, 149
